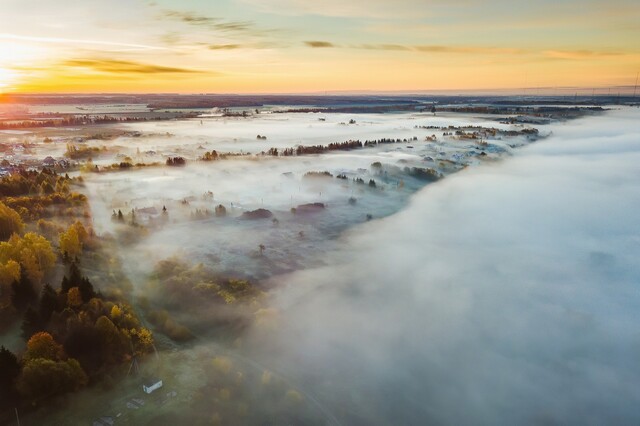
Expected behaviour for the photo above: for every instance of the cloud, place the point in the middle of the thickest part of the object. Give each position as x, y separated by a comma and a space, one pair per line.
467, 49
190, 17
421, 48
70, 41
215, 23
124, 67
319, 44
225, 46
578, 54
337, 8
392, 47
505, 294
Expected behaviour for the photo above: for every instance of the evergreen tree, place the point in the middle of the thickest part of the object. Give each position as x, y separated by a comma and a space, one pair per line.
49, 303
74, 275
22, 291
31, 322
65, 285
9, 371
86, 290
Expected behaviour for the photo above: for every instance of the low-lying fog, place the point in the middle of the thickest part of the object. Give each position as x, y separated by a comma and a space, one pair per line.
277, 184
504, 294
501, 294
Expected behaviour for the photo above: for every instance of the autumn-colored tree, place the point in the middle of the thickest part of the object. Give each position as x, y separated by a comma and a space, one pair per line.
9, 272
10, 222
142, 340
74, 298
32, 251
41, 377
116, 342
42, 345
70, 244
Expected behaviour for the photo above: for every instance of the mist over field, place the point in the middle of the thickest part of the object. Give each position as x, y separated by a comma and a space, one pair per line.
464, 268
278, 184
504, 294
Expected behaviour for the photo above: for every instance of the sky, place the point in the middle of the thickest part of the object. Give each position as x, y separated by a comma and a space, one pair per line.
297, 46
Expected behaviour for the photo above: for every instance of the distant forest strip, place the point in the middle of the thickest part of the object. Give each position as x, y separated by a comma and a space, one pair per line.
79, 120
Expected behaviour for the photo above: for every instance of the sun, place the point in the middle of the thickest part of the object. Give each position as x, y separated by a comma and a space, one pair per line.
7, 79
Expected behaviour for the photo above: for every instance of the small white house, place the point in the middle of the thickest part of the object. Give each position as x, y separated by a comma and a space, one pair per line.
151, 385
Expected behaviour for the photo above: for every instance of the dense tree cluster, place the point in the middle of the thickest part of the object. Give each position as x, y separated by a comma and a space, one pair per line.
176, 161
215, 155
73, 334
34, 195
74, 120
215, 300
313, 174
429, 175
334, 146
78, 152
210, 156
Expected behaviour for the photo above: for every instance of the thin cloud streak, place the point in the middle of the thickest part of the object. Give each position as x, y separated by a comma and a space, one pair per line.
57, 40
118, 66
320, 44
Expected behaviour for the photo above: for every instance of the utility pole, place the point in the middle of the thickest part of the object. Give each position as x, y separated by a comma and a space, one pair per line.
635, 88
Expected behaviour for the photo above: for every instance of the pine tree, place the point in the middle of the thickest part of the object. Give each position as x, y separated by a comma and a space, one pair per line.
49, 303
86, 290
22, 291
31, 322
9, 371
65, 285
74, 275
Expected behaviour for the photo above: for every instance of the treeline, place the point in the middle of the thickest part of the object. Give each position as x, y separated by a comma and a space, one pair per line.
475, 132
301, 150
215, 155
33, 194
79, 120
176, 161
335, 146
75, 152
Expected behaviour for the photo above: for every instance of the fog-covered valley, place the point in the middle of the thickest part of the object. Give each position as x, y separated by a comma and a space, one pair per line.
279, 184
447, 269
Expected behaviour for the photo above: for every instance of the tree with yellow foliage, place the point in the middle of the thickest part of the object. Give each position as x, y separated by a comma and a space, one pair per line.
142, 340
10, 222
73, 239
32, 251
9, 272
70, 244
74, 298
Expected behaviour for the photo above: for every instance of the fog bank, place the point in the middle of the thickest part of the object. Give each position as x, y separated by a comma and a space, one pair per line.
504, 294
